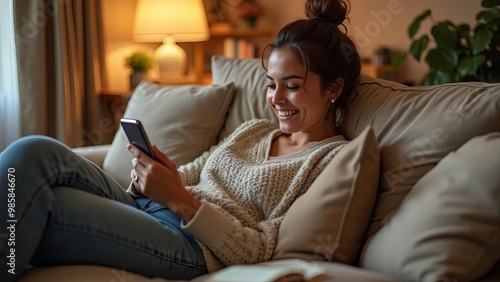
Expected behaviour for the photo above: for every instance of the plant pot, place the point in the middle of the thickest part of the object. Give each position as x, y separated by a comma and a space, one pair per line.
136, 77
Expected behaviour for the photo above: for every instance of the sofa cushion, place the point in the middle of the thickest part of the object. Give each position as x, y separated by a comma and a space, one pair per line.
448, 227
183, 121
250, 83
416, 128
329, 221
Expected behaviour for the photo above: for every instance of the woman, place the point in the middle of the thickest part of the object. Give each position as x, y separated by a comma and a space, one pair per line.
224, 208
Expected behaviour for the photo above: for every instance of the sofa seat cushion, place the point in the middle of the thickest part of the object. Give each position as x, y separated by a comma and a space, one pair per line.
329, 221
416, 127
183, 122
86, 273
448, 227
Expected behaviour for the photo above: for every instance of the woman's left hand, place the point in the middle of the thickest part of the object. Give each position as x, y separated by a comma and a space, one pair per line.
160, 181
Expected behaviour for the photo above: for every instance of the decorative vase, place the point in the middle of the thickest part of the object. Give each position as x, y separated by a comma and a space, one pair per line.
136, 77
248, 22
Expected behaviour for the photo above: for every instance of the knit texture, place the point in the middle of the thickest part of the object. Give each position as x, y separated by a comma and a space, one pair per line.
245, 193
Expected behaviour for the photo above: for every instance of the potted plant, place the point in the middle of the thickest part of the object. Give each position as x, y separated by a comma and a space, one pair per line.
139, 62
461, 52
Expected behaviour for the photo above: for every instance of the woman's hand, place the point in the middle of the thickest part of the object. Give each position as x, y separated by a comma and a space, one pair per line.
160, 181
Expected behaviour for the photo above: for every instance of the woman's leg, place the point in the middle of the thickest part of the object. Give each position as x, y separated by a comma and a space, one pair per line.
120, 236
29, 170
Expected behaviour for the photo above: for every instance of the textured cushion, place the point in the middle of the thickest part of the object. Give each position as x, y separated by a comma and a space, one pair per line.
448, 227
416, 128
329, 221
250, 83
183, 122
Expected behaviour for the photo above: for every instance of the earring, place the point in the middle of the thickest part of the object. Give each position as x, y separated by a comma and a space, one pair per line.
333, 101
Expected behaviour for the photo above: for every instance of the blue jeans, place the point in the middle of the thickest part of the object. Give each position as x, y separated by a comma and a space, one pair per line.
57, 207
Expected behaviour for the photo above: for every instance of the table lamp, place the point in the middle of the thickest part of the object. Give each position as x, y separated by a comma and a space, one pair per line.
170, 21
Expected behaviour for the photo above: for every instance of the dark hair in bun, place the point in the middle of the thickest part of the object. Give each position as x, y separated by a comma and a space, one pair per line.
332, 11
323, 48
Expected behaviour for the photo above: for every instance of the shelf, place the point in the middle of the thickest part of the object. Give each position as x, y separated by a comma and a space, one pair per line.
203, 51
240, 32
382, 71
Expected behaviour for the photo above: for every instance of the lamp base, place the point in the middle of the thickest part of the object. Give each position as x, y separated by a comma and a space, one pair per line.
170, 59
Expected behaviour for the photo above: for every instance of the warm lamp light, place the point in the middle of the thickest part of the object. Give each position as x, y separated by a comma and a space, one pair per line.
170, 21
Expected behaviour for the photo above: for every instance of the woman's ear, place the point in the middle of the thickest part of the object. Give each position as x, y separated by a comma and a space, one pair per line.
335, 88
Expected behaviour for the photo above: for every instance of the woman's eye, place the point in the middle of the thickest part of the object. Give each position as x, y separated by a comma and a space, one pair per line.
270, 86
292, 87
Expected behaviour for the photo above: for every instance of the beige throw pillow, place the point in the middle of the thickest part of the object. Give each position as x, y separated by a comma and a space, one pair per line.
448, 227
183, 122
328, 222
249, 80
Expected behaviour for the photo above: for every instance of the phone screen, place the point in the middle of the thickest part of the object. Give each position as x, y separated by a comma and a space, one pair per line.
137, 135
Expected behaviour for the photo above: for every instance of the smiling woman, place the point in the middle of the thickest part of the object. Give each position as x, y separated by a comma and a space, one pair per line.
9, 98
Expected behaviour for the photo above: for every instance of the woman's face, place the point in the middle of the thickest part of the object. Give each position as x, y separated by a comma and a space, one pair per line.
300, 107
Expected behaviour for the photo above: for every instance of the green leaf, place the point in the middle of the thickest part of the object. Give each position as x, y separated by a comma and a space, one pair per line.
490, 3
445, 34
481, 39
437, 77
469, 65
418, 46
441, 59
397, 59
488, 15
463, 30
415, 25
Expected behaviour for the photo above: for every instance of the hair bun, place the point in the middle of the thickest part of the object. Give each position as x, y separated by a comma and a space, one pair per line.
334, 11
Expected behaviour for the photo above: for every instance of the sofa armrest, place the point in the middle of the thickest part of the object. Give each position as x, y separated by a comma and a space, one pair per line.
95, 154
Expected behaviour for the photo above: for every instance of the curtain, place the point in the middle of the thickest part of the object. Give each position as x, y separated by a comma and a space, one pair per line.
61, 69
9, 99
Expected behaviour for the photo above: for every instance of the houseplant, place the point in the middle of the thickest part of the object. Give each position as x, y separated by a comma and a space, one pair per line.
460, 52
140, 63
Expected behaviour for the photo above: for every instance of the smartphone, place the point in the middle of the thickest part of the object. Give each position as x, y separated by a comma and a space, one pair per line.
137, 135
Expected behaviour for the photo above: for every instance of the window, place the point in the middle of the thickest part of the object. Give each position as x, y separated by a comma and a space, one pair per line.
9, 90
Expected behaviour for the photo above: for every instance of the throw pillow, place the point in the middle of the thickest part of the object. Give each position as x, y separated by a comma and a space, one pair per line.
183, 122
249, 80
448, 226
329, 221
416, 127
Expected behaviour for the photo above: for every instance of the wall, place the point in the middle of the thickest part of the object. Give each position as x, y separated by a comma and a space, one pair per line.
373, 24
376, 23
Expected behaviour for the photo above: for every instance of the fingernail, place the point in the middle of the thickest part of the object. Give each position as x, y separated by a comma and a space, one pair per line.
129, 147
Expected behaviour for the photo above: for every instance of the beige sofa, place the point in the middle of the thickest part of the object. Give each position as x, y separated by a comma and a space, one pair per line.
416, 196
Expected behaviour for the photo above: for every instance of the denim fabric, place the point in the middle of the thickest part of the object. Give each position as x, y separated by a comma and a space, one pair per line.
68, 211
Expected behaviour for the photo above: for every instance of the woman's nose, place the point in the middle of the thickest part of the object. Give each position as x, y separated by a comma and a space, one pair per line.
278, 97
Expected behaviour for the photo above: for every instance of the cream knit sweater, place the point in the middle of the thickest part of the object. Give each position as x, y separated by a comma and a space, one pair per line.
245, 193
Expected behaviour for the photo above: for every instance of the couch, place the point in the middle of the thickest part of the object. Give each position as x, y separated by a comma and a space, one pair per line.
415, 196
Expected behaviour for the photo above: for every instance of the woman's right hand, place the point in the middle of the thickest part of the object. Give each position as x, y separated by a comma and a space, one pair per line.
160, 181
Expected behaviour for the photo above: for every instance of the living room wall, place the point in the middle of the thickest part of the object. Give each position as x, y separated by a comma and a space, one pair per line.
374, 24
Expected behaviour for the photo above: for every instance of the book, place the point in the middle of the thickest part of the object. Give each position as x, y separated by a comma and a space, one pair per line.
286, 270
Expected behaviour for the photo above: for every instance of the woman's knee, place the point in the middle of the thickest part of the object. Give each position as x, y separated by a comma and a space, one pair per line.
33, 143
33, 148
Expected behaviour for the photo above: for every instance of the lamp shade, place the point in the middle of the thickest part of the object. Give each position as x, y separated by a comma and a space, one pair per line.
181, 20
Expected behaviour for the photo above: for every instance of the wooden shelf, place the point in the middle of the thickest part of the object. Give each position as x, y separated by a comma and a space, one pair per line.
240, 32
382, 71
203, 51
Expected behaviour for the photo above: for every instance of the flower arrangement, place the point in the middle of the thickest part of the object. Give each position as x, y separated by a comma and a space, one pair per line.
249, 9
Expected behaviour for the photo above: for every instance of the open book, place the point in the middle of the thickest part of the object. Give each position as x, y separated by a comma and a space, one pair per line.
287, 270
